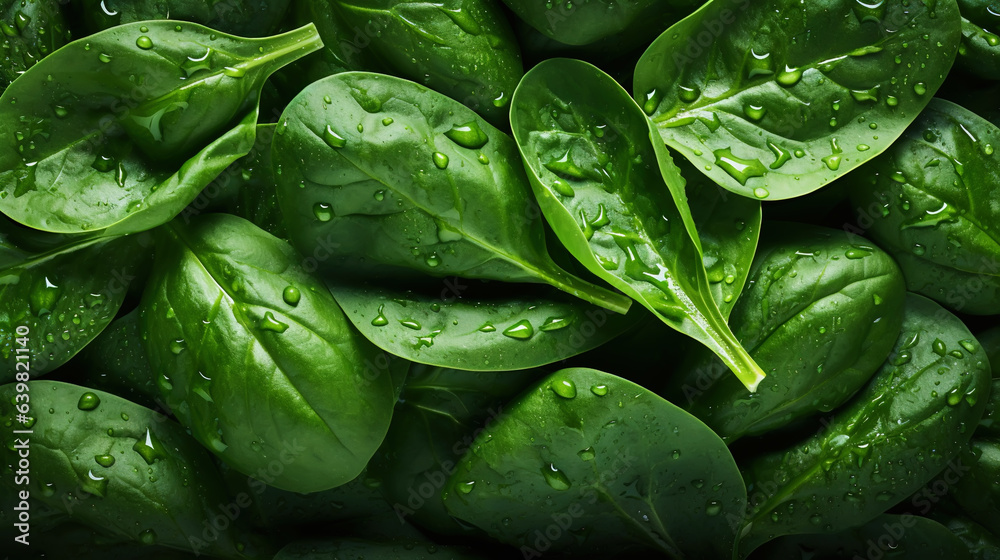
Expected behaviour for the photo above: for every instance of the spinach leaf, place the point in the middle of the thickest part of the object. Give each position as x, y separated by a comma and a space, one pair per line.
820, 314
116, 362
616, 200
375, 171
458, 324
256, 197
928, 201
729, 228
464, 49
581, 23
120, 468
900, 536
439, 414
618, 469
775, 98
53, 304
122, 129
976, 490
233, 324
32, 30
246, 18
898, 433
979, 52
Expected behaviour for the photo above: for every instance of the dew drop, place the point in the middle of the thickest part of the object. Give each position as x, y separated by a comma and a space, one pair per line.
88, 401
555, 478
565, 388
520, 330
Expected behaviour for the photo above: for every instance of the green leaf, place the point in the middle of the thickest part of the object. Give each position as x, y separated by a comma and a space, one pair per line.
122, 129
245, 18
616, 200
619, 470
928, 201
31, 30
774, 98
116, 362
466, 325
979, 52
464, 49
234, 323
902, 536
120, 468
438, 416
52, 304
898, 433
729, 228
820, 314
389, 176
581, 23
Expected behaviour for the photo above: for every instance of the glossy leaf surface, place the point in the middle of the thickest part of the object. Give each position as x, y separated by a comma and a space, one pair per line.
617, 201
389, 176
234, 325
621, 478
471, 326
122, 129
820, 314
917, 413
928, 200
774, 99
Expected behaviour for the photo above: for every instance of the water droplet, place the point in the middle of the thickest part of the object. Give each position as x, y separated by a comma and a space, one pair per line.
147, 537
104, 460
652, 101
468, 135
269, 323
891, 101
291, 295
738, 168
563, 188
969, 345
555, 478
754, 112
599, 390
440, 160
105, 58
855, 253
565, 388
487, 327
789, 76
781, 156
566, 167
587, 454
333, 139
939, 347
380, 320
555, 323
520, 330
466, 487
410, 324
88, 401
94, 484
176, 346
144, 42
235, 72
323, 211
954, 397
433, 260
920, 88
713, 508
688, 94
149, 448
761, 192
